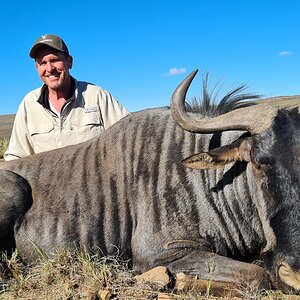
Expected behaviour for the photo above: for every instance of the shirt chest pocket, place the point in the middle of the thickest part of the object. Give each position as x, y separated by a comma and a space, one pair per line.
91, 119
42, 136
86, 120
86, 126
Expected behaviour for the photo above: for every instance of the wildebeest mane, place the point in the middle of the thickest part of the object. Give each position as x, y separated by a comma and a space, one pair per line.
209, 104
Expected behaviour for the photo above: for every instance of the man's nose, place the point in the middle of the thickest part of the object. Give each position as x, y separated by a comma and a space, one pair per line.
49, 66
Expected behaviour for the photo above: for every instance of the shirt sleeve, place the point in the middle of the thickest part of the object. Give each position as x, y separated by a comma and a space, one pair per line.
19, 144
111, 110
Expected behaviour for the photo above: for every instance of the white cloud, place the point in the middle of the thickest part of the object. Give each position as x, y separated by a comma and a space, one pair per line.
285, 53
175, 71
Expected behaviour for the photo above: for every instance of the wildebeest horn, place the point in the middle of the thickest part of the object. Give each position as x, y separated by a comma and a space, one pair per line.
254, 119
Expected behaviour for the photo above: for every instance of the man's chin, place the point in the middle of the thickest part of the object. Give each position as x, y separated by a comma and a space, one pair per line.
54, 85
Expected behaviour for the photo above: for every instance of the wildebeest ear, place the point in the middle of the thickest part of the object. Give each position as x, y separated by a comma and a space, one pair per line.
219, 157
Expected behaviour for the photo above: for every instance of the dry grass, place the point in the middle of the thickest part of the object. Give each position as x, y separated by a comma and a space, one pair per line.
79, 275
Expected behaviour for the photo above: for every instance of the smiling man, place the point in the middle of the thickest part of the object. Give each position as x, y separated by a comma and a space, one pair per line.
64, 111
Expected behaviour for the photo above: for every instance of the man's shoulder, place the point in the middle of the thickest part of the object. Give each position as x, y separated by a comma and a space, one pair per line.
33, 95
30, 103
88, 87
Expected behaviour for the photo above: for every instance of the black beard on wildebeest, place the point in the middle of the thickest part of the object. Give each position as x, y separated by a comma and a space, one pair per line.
169, 187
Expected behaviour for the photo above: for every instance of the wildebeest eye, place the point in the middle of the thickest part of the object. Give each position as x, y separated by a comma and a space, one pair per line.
265, 167
262, 167
261, 163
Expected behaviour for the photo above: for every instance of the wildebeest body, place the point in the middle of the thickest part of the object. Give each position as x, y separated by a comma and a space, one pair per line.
128, 191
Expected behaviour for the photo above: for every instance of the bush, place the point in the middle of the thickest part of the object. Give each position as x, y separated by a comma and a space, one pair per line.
3, 146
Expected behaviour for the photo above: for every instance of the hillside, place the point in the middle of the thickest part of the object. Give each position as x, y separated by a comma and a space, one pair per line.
6, 123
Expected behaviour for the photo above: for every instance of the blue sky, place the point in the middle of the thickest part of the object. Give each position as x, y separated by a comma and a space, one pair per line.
141, 50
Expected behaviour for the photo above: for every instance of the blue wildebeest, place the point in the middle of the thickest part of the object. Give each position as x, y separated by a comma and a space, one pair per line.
220, 192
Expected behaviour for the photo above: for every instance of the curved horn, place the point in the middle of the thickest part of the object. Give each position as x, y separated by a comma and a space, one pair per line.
254, 119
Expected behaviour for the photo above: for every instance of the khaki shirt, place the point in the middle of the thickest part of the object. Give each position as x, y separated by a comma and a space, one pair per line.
36, 128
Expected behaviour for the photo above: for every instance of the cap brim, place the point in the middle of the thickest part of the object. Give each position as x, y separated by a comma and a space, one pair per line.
36, 47
33, 50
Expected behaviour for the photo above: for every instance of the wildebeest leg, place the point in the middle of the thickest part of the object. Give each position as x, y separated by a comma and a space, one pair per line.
15, 200
221, 271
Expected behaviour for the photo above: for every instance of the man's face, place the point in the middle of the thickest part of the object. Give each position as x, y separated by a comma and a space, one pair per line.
53, 68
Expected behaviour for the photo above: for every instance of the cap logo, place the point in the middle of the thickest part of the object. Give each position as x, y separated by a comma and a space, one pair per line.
44, 37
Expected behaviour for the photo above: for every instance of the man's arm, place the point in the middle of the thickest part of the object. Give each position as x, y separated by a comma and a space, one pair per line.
19, 144
111, 110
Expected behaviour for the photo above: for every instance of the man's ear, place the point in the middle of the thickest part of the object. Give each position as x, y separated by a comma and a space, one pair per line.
70, 61
219, 157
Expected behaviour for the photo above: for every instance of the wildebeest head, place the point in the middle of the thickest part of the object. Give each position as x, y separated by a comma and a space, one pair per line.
273, 149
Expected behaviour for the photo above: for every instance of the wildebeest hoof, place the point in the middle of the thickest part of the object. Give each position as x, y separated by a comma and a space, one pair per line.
289, 276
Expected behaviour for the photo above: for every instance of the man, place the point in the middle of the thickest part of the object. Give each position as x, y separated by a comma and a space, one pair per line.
63, 111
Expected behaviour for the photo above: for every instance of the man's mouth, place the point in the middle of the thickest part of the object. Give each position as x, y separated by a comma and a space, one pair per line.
53, 77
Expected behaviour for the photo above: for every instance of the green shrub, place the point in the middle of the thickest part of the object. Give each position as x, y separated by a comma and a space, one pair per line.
3, 146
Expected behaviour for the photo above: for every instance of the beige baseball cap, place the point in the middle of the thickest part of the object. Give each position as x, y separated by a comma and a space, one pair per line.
50, 40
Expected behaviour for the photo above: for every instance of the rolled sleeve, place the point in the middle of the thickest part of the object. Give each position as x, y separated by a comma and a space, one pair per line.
111, 110
19, 144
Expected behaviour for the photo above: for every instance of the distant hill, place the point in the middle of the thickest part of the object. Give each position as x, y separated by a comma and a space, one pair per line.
6, 121
282, 101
